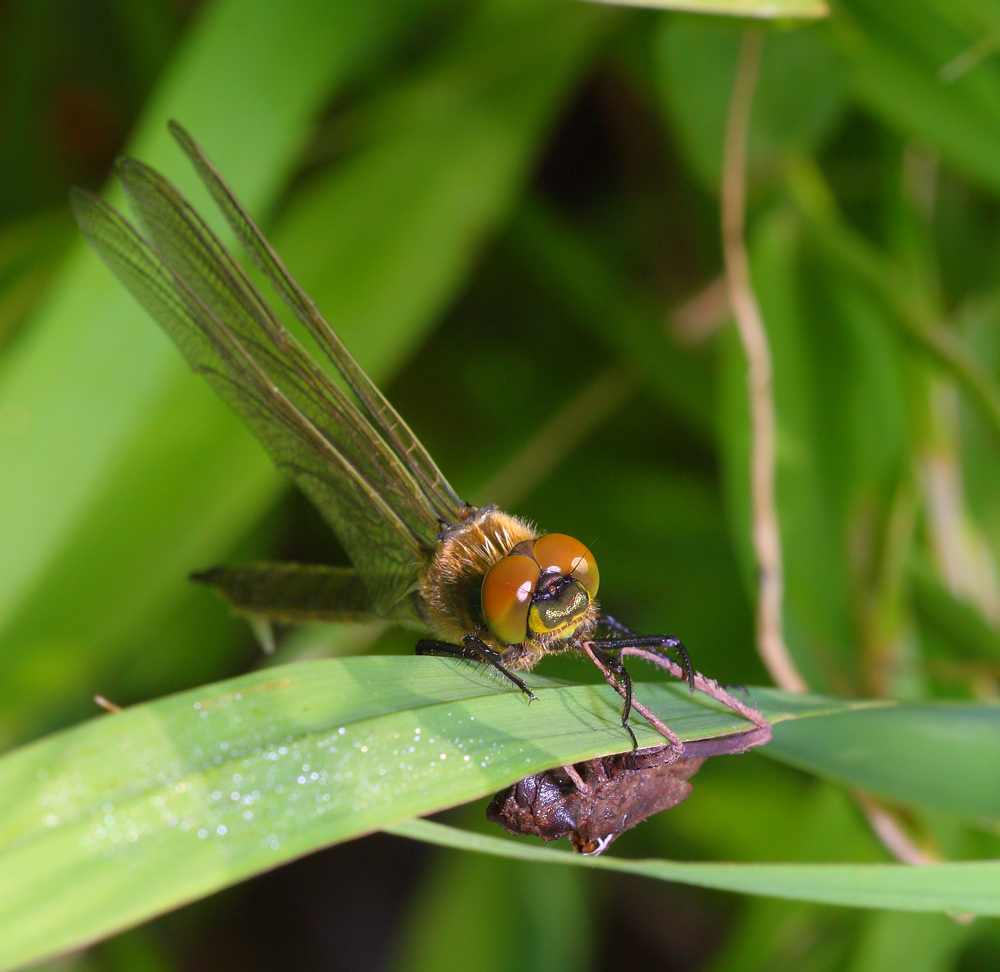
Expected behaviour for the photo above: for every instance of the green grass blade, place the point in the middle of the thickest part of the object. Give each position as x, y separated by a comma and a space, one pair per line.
798, 99
88, 338
113, 426
971, 887
382, 242
940, 756
908, 71
534, 935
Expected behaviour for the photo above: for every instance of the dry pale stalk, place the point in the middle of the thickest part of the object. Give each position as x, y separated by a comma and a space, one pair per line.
750, 325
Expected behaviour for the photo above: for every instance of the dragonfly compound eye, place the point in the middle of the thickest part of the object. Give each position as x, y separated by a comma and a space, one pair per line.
507, 592
556, 552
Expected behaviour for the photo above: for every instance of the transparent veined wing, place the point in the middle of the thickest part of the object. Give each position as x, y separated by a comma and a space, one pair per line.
314, 432
374, 404
294, 593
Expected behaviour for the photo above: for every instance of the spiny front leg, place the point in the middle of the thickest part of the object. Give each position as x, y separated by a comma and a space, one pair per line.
476, 650
651, 648
676, 746
657, 644
624, 680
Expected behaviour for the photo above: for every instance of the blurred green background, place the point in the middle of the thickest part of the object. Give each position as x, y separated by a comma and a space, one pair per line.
509, 210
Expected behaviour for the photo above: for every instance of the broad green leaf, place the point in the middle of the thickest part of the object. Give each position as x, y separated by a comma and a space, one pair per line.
940, 756
132, 814
970, 887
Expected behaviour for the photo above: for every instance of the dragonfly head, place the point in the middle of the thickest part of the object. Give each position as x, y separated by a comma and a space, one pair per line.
542, 589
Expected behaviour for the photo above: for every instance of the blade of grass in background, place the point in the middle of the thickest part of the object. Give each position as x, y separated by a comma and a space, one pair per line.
800, 99
529, 926
970, 887
383, 242
60, 479
29, 253
611, 308
909, 71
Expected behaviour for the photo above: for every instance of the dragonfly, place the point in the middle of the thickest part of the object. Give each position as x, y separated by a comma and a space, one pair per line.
489, 586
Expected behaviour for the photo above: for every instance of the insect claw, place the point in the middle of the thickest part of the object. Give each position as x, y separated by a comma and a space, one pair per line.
628, 729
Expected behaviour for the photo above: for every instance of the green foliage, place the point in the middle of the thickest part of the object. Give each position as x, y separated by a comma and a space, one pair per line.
195, 791
504, 207
968, 886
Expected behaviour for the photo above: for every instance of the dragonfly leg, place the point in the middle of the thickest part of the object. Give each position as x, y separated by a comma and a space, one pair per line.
617, 669
656, 644
473, 649
598, 653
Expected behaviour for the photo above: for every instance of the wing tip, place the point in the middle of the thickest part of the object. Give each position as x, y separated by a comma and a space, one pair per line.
180, 133
87, 208
210, 575
80, 198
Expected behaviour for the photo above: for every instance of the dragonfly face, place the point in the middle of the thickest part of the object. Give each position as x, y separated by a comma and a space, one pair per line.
488, 585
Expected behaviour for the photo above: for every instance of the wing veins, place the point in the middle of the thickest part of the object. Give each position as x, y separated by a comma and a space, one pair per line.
379, 410
247, 387
190, 248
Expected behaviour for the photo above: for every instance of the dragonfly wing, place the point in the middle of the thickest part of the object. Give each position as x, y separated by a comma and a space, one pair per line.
293, 593
281, 399
188, 246
376, 407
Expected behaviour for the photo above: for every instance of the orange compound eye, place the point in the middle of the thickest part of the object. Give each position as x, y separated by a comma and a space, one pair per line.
558, 552
507, 591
